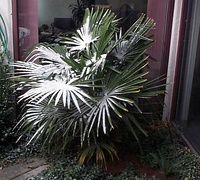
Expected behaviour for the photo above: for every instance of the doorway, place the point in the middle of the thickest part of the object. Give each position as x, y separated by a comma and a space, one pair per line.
188, 108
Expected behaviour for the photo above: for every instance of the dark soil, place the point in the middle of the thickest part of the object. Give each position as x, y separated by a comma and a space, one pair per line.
118, 165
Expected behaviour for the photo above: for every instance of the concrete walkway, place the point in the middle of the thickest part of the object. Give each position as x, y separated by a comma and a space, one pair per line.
24, 171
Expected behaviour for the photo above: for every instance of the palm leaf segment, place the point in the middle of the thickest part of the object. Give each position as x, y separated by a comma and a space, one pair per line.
3, 40
90, 82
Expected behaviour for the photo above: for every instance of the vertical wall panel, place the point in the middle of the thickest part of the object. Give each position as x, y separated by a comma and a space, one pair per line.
161, 12
27, 24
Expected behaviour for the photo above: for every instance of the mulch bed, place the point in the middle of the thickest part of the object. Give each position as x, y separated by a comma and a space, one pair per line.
118, 165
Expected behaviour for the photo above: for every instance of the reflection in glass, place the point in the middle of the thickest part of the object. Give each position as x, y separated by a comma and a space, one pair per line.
36, 18
127, 10
194, 112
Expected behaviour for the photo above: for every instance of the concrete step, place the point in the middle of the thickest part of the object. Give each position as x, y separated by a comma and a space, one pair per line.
31, 173
22, 171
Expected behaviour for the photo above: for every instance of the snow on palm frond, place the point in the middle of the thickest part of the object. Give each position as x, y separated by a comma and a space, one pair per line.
83, 38
56, 89
114, 100
44, 63
101, 114
47, 55
44, 52
34, 71
46, 116
125, 44
100, 62
120, 51
93, 65
96, 63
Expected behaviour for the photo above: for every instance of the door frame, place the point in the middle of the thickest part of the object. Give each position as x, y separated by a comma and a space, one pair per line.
176, 53
15, 29
190, 63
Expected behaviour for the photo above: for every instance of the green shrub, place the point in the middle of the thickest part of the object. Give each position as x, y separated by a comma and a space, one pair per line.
164, 149
67, 168
7, 109
186, 163
7, 115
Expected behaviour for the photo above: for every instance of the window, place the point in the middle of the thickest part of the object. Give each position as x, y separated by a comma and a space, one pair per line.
43, 21
188, 113
30, 16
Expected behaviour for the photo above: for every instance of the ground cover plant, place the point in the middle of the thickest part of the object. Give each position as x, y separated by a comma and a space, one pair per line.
7, 112
86, 92
165, 149
165, 156
68, 168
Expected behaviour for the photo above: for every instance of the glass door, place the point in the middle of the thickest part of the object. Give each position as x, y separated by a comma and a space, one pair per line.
188, 114
34, 20
127, 11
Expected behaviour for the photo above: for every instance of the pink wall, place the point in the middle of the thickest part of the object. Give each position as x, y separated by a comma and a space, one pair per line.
161, 11
28, 25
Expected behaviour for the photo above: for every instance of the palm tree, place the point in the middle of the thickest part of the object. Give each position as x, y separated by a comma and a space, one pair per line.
88, 86
78, 10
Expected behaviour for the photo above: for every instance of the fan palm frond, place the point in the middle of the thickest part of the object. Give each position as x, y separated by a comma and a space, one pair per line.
120, 92
3, 40
45, 120
56, 89
89, 84
98, 151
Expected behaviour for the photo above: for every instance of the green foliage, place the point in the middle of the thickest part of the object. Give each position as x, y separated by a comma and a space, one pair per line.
11, 155
3, 40
129, 173
88, 87
163, 161
7, 116
187, 164
164, 149
177, 160
67, 168
97, 150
